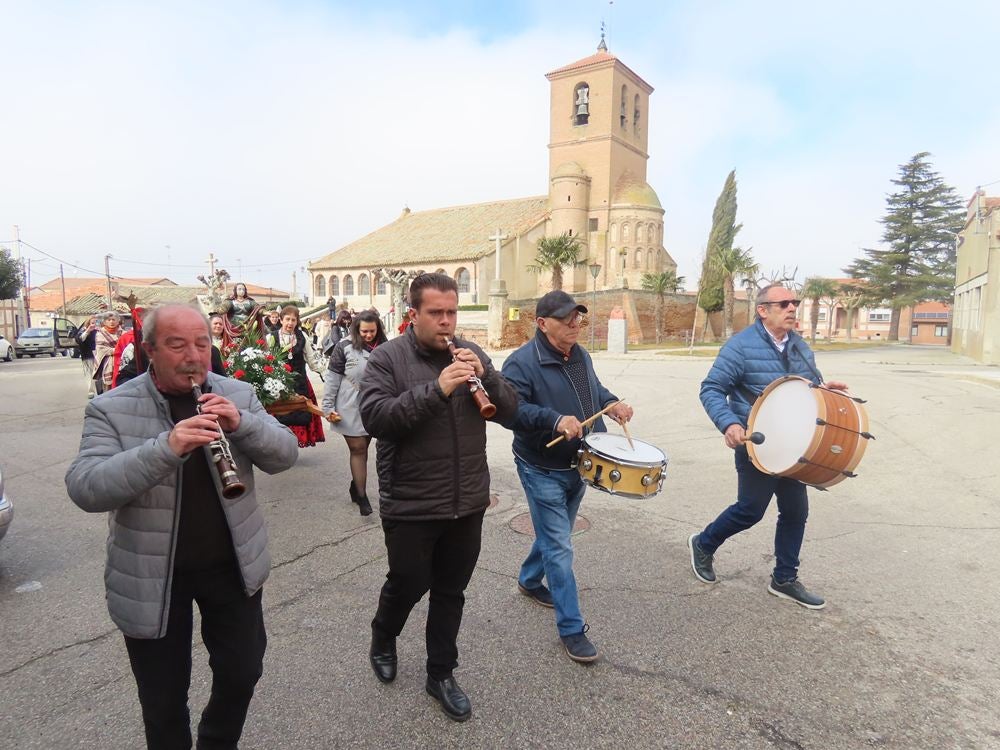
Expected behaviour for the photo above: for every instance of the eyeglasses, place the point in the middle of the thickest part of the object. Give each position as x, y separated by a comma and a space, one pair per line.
783, 304
575, 319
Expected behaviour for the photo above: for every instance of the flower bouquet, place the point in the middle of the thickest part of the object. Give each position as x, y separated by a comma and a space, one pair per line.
265, 368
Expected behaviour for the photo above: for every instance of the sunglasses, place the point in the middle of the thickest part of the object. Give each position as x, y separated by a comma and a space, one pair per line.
783, 304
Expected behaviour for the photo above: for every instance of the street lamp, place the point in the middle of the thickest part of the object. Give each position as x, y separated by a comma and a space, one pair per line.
595, 269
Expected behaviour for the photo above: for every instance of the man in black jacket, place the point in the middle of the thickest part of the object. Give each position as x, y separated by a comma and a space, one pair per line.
433, 479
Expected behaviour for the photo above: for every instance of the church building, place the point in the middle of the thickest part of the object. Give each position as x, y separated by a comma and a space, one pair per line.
597, 193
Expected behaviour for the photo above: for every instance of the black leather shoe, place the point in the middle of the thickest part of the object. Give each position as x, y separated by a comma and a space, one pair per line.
382, 657
454, 702
364, 506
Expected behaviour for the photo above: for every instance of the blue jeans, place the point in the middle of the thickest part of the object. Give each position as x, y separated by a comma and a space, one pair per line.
553, 498
755, 490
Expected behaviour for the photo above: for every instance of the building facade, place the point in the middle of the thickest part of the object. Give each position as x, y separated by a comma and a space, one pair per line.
597, 193
977, 282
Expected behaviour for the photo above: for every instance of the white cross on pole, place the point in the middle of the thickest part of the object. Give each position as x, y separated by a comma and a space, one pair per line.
211, 264
498, 238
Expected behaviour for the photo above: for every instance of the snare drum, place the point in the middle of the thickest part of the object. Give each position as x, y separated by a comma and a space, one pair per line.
607, 463
812, 434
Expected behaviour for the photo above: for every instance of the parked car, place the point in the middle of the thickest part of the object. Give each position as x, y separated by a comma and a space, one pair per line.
55, 340
6, 509
6, 349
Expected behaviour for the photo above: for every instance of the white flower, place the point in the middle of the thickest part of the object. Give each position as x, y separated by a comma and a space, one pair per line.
274, 387
250, 354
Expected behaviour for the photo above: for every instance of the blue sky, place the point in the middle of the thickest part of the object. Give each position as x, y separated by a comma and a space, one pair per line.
271, 133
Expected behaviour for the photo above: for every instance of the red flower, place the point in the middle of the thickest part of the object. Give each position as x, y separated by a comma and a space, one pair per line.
268, 369
227, 364
239, 374
288, 367
269, 357
261, 342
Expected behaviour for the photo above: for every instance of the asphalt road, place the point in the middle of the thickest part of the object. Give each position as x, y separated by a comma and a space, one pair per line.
904, 655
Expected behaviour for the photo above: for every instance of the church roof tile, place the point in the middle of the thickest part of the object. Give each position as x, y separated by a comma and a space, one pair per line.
439, 235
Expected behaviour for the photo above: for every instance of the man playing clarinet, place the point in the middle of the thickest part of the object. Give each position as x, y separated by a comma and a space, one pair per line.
558, 389
175, 538
434, 484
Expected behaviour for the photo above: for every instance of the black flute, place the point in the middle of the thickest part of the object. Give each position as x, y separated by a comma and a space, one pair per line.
222, 457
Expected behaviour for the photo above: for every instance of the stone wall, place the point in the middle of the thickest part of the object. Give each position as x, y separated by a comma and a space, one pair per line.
640, 309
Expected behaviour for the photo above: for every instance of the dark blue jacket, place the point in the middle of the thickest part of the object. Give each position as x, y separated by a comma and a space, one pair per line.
746, 365
538, 373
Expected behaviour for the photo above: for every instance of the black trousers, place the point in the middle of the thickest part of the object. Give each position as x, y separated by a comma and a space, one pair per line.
435, 556
232, 627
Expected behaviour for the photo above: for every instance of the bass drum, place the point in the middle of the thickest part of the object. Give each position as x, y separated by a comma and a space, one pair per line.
607, 463
811, 433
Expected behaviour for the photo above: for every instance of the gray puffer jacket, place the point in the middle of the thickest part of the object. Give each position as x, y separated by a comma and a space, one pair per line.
126, 467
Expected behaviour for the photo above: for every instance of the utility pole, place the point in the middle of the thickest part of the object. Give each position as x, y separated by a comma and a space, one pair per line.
62, 282
107, 274
22, 320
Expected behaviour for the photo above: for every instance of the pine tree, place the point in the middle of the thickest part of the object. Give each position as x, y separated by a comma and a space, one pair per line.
711, 295
920, 224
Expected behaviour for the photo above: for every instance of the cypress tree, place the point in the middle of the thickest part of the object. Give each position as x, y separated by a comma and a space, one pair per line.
720, 241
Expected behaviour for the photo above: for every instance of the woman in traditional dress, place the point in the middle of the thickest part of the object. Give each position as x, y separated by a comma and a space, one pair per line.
307, 427
104, 350
342, 398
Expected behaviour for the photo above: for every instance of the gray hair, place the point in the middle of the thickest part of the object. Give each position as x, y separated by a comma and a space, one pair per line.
762, 294
152, 318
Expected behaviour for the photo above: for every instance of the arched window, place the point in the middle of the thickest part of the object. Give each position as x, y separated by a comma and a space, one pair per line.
380, 287
638, 258
348, 285
635, 116
320, 286
441, 270
462, 279
625, 232
649, 261
614, 233
581, 104
364, 288
623, 112
334, 286
640, 235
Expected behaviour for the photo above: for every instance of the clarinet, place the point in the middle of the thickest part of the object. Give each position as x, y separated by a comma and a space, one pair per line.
479, 394
222, 457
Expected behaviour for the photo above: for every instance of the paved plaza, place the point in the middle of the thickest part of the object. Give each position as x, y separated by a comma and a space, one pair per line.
904, 655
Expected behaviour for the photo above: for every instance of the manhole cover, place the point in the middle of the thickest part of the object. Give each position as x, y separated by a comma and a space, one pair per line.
522, 524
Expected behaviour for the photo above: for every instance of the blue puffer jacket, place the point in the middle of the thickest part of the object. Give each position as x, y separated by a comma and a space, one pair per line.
546, 394
750, 361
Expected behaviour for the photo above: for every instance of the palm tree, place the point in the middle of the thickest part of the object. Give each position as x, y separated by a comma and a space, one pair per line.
732, 263
816, 288
554, 253
661, 284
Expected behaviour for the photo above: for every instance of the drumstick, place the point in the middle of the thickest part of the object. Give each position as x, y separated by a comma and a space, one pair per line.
587, 422
627, 436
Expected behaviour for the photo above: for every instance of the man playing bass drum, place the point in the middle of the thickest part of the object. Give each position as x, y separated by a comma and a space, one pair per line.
747, 363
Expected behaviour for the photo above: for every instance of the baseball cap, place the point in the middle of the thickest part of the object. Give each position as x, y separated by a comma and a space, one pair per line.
557, 304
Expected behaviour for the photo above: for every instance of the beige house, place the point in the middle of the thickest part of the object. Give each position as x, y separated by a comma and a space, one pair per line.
976, 326
597, 193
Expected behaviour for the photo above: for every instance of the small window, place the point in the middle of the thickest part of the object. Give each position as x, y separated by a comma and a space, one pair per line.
623, 112
348, 285
320, 286
581, 104
914, 330
334, 286
592, 225
649, 260
625, 232
380, 287
640, 235
462, 279
364, 287
941, 331
638, 258
635, 116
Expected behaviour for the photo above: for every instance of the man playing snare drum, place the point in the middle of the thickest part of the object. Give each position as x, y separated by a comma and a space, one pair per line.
747, 363
558, 389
